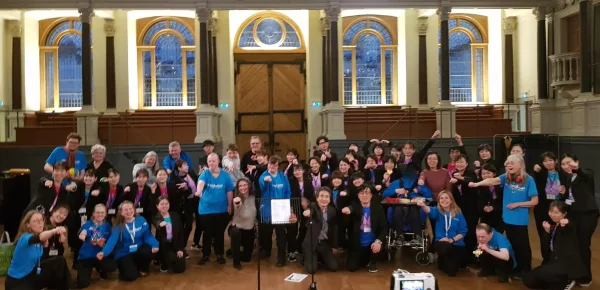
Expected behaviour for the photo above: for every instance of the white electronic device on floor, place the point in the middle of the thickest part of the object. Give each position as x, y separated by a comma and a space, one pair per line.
404, 280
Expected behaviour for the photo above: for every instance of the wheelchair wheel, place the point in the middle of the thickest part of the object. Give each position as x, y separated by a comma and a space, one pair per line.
422, 258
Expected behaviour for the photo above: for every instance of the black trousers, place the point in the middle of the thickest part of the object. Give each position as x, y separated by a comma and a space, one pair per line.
585, 224
450, 257
266, 239
541, 214
292, 237
198, 231
131, 265
169, 259
190, 212
518, 236
407, 214
471, 238
361, 257
74, 224
241, 238
344, 230
54, 274
491, 264
552, 276
85, 268
214, 226
302, 229
324, 252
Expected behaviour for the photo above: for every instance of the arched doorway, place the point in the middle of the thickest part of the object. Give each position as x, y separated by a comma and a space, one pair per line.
270, 81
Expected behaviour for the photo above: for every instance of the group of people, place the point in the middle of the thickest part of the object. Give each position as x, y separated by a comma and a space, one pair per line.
340, 207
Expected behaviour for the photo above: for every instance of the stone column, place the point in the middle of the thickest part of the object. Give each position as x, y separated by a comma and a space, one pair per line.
111, 86
215, 90
445, 112
585, 35
325, 30
333, 111
210, 63
542, 69
422, 27
87, 117
596, 50
510, 112
206, 113
16, 118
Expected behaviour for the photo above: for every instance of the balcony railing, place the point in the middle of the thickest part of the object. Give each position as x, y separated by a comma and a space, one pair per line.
564, 69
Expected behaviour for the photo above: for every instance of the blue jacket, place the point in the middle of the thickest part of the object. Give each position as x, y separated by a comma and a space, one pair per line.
169, 162
456, 225
278, 188
120, 241
90, 249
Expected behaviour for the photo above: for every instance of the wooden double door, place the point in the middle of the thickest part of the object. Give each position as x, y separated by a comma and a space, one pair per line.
270, 102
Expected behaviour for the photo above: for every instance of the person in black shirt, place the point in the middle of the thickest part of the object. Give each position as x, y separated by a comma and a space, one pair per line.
249, 159
328, 158
209, 147
55, 246
99, 163
322, 240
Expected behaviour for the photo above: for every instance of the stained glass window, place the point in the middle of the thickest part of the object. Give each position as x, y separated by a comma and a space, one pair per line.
269, 32
61, 65
167, 53
467, 61
369, 50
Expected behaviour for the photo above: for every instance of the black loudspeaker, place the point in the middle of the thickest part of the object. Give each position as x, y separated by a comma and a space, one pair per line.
15, 195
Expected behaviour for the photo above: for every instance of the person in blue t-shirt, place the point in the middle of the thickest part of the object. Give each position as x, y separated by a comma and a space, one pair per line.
71, 155
450, 229
519, 194
93, 234
369, 229
273, 185
215, 190
133, 243
27, 270
495, 253
175, 154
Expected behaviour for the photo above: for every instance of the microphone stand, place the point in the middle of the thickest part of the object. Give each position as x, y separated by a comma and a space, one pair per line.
313, 284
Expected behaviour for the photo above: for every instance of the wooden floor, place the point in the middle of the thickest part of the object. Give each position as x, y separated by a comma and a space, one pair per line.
222, 277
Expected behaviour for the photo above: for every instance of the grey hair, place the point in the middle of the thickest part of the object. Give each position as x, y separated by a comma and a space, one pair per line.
174, 144
156, 164
98, 147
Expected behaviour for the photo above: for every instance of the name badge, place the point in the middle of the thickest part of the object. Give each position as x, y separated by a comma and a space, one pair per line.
139, 210
111, 211
550, 196
82, 210
569, 201
133, 248
39, 270
83, 219
53, 253
367, 230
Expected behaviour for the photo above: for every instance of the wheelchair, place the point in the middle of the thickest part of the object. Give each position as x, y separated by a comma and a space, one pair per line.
419, 242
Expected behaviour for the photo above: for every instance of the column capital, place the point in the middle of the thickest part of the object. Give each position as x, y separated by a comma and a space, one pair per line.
204, 14
109, 27
16, 28
422, 25
550, 17
213, 25
509, 25
332, 14
325, 26
540, 13
444, 12
86, 14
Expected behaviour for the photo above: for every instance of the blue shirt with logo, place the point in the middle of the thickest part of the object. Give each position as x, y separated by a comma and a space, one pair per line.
95, 234
447, 226
59, 154
25, 257
514, 192
121, 240
499, 241
214, 194
367, 237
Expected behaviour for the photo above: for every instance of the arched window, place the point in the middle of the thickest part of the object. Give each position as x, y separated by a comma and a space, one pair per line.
468, 60
166, 63
60, 64
369, 56
270, 31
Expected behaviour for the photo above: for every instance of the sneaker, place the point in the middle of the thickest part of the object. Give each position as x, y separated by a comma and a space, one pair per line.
196, 247
221, 260
204, 260
372, 268
571, 285
143, 274
103, 275
164, 269
584, 283
517, 276
237, 266
186, 255
292, 258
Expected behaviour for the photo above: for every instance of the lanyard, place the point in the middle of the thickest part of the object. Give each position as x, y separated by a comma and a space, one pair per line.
111, 199
55, 198
552, 238
460, 189
131, 232
372, 175
493, 192
301, 189
316, 181
448, 222
138, 197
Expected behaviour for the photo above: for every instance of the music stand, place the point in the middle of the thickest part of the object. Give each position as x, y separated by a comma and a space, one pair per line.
268, 214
